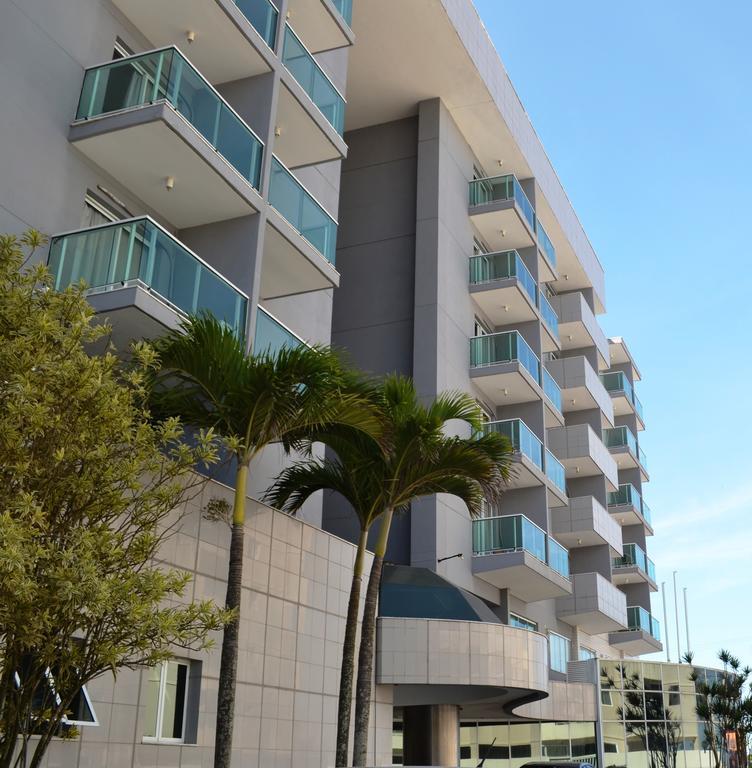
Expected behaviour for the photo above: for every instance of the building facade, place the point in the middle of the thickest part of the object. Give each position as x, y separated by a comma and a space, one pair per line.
381, 189
486, 283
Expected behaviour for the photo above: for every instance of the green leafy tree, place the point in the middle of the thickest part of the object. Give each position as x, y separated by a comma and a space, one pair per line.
251, 401
89, 487
414, 458
724, 704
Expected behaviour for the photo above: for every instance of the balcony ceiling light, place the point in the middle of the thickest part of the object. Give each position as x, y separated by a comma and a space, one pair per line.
169, 183
190, 35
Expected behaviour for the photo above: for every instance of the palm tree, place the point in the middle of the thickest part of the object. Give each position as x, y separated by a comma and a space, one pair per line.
414, 459
209, 381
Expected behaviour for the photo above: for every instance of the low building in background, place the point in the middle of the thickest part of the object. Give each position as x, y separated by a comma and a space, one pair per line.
643, 716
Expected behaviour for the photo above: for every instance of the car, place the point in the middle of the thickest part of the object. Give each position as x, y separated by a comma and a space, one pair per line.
559, 764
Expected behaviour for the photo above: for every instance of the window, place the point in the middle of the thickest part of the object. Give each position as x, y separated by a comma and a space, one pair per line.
96, 212
478, 173
166, 702
122, 49
79, 712
558, 647
480, 328
478, 247
586, 654
522, 623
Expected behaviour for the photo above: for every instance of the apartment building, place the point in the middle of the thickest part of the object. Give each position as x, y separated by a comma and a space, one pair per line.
464, 266
200, 154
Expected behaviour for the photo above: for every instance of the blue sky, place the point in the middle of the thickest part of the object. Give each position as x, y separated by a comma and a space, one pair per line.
644, 109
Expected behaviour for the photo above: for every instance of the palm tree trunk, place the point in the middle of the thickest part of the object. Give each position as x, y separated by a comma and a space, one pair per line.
367, 643
228, 666
348, 656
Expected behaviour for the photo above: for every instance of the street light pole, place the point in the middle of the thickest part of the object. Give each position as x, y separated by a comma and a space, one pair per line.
676, 611
665, 621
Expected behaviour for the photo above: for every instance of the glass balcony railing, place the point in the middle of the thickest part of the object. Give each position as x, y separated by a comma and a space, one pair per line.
655, 628
626, 495
638, 407
263, 17
633, 556
647, 514
499, 188
313, 80
521, 437
299, 207
620, 437
642, 458
345, 10
617, 381
555, 472
629, 495
640, 619
271, 335
544, 241
140, 252
550, 317
488, 267
504, 347
516, 533
511, 533
551, 388
166, 75
558, 557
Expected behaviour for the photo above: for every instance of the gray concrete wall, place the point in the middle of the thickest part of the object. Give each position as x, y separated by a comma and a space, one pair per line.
373, 310
296, 585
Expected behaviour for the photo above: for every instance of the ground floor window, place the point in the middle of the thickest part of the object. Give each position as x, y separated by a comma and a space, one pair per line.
522, 622
166, 701
558, 649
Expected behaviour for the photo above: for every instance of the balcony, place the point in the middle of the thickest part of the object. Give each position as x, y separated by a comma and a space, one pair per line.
546, 247
311, 111
505, 367
584, 522
622, 443
511, 552
556, 473
156, 125
629, 508
550, 337
581, 387
643, 633
528, 452
623, 395
578, 326
595, 605
619, 354
422, 658
554, 416
143, 279
499, 204
271, 335
233, 40
300, 242
322, 24
634, 566
503, 287
582, 453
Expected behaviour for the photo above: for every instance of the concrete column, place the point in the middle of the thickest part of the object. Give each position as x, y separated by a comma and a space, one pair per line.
431, 735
